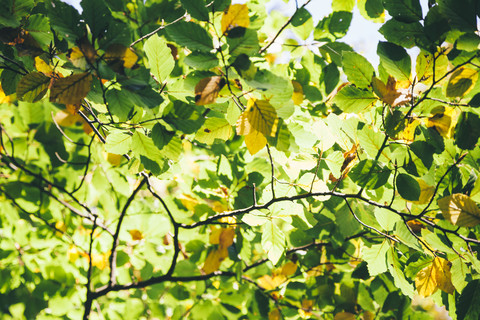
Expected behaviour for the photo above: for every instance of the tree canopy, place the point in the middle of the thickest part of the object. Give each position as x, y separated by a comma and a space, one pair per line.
159, 161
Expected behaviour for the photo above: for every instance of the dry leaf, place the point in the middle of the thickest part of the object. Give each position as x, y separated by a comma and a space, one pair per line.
392, 94
136, 234
206, 91
72, 89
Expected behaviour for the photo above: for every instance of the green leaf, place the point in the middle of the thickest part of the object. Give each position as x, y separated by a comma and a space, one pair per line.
214, 128
404, 10
343, 5
302, 23
386, 218
119, 103
397, 270
201, 60
461, 15
408, 187
468, 303
190, 35
404, 34
118, 142
467, 130
370, 141
371, 10
358, 70
196, 8
369, 174
351, 99
334, 162
96, 15
32, 87
143, 145
376, 258
247, 44
159, 57
461, 82
273, 241
395, 60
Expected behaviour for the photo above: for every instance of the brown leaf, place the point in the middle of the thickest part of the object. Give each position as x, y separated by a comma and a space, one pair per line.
206, 91
71, 89
392, 94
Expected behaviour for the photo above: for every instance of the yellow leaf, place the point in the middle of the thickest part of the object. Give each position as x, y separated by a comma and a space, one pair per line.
77, 58
460, 210
433, 277
71, 89
259, 115
215, 236
213, 261
3, 98
73, 108
114, 159
297, 95
206, 90
269, 283
73, 253
408, 133
226, 237
426, 192
443, 119
119, 55
289, 269
66, 119
255, 141
443, 276
42, 66
188, 202
461, 82
344, 316
100, 260
392, 94
136, 234
235, 16
275, 315
425, 281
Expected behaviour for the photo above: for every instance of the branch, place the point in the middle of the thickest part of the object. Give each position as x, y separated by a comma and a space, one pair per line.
262, 50
424, 211
176, 227
115, 241
89, 299
273, 172
367, 226
292, 198
148, 35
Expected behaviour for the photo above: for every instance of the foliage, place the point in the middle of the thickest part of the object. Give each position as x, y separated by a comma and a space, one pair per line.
160, 161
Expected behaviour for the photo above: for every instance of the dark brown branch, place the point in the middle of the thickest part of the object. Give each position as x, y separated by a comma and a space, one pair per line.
424, 211
115, 241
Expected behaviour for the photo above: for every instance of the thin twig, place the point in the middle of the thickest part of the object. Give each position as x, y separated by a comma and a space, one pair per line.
115, 241
262, 50
367, 226
148, 35
272, 182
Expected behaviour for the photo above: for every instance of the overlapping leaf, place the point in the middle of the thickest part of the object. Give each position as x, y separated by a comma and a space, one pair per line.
460, 210
72, 89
